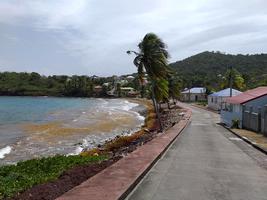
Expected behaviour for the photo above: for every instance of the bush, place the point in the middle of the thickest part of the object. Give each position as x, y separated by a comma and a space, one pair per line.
235, 123
202, 103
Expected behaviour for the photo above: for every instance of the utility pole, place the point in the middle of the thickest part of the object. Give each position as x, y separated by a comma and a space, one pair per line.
189, 92
231, 81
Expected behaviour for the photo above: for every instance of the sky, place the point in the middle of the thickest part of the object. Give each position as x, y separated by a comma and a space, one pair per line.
91, 37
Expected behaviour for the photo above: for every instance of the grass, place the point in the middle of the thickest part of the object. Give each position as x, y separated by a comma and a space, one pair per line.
202, 103
24, 175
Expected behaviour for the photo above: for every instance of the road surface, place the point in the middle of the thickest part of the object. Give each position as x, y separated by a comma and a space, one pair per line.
206, 162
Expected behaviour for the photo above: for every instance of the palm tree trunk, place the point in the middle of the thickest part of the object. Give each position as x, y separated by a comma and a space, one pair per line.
174, 102
168, 103
156, 106
142, 91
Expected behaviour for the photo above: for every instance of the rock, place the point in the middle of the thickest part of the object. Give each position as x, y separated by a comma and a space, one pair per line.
146, 130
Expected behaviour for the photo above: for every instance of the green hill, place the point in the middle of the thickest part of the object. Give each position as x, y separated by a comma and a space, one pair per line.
203, 69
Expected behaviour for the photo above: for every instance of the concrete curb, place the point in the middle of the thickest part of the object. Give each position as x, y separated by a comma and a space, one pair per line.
246, 140
119, 179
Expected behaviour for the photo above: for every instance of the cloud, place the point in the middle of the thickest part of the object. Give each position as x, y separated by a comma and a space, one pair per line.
92, 36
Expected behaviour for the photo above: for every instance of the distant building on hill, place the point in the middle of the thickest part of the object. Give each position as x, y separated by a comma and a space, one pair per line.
98, 88
130, 78
106, 84
126, 90
194, 94
133, 94
95, 77
217, 100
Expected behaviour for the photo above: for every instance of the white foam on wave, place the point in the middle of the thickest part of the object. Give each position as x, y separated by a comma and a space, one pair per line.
140, 117
103, 101
4, 151
79, 148
129, 105
77, 151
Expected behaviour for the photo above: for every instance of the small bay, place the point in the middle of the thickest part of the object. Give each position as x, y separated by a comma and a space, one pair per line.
33, 127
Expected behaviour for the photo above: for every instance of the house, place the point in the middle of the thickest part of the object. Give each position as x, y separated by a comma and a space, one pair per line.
106, 84
130, 78
236, 107
94, 77
126, 90
194, 94
216, 101
98, 88
133, 94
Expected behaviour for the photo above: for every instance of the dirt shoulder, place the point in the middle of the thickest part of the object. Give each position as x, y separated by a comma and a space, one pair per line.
255, 138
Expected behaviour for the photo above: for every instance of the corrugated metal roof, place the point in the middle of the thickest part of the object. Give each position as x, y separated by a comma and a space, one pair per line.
225, 93
195, 90
247, 96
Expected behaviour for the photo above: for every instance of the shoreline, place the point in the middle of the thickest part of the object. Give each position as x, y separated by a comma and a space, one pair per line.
141, 109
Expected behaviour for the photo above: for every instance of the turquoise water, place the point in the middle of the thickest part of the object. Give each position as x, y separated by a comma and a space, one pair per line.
40, 126
15, 110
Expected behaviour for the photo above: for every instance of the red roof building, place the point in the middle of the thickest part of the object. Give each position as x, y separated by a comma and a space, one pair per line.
252, 101
247, 96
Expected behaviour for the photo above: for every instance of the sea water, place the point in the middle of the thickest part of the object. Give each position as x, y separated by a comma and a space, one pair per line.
32, 127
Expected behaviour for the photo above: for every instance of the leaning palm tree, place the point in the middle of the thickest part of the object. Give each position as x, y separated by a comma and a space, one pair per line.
175, 86
152, 59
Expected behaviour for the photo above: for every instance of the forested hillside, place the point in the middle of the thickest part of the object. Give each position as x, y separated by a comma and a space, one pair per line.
206, 69
33, 84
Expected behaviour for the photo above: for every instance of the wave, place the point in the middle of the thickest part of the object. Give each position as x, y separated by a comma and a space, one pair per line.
4, 151
129, 105
140, 117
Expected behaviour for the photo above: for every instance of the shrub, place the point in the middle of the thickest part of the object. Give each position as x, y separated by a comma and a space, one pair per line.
235, 123
24, 175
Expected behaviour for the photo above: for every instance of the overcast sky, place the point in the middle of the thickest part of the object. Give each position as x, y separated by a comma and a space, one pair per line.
92, 36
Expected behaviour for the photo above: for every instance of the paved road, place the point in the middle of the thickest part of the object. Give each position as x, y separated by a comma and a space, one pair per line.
206, 162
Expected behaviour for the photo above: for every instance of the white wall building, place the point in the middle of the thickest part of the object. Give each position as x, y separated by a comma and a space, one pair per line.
194, 94
217, 100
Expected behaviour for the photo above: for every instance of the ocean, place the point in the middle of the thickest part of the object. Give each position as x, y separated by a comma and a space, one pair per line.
32, 127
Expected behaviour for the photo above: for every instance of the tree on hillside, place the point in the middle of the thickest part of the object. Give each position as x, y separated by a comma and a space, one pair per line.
118, 88
234, 78
152, 59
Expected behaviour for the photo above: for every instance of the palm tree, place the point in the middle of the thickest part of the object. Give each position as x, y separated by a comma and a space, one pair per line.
152, 59
175, 86
232, 78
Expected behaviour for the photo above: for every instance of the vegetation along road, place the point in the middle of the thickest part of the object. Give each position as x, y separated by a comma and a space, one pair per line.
206, 162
